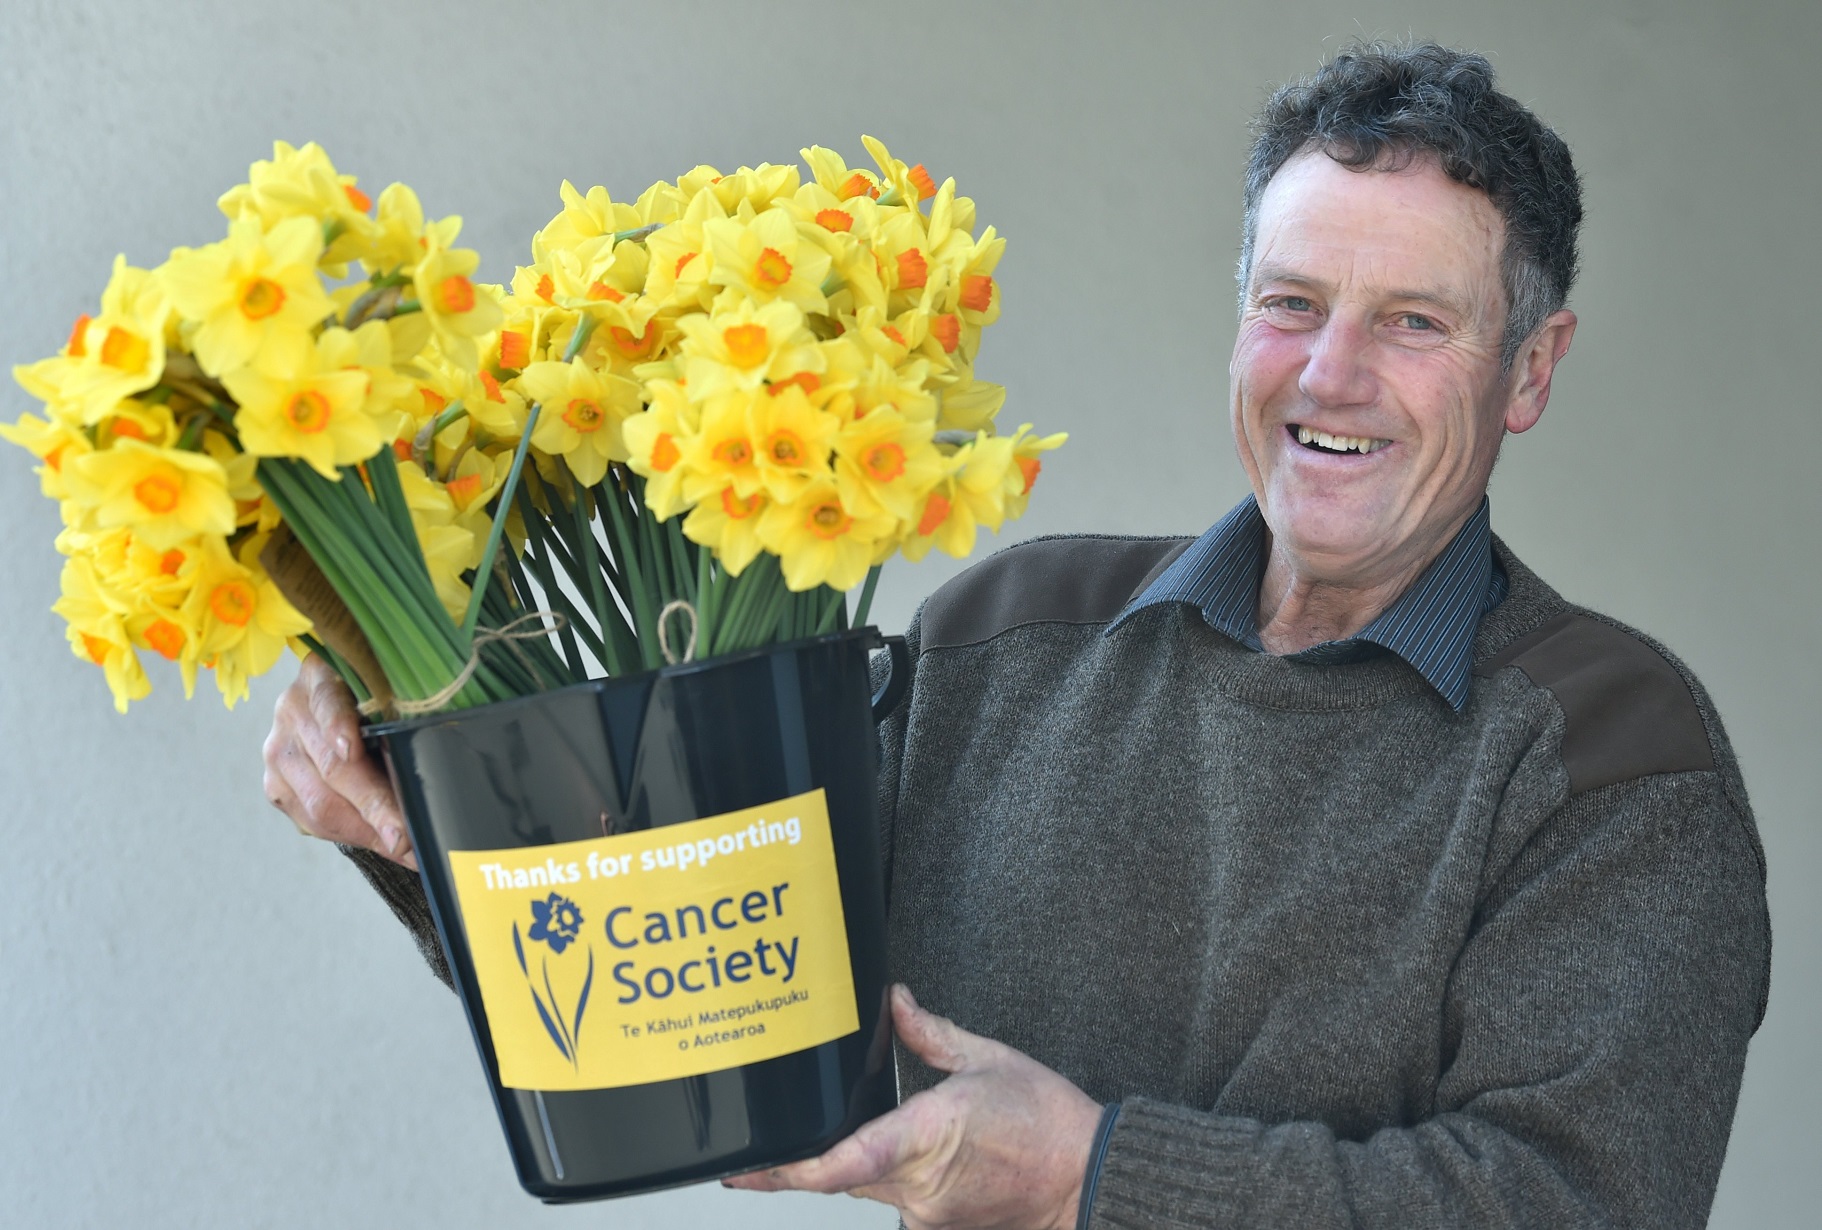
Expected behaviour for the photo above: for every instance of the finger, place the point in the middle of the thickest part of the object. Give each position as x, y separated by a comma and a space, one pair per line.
361, 783
318, 808
334, 734
863, 1159
279, 794
936, 1040
331, 734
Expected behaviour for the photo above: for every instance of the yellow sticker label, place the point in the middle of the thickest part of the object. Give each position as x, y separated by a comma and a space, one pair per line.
671, 952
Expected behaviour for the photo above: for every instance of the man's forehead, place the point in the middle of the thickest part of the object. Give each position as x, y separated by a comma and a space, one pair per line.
1412, 228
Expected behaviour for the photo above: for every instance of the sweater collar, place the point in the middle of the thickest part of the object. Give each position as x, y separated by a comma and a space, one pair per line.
1431, 625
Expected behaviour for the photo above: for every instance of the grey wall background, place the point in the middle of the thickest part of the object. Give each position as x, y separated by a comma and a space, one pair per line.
207, 1022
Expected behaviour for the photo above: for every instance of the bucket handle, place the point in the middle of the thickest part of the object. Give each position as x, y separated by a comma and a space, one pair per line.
898, 678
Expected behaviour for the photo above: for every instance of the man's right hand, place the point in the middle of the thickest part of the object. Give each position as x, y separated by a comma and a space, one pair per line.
318, 773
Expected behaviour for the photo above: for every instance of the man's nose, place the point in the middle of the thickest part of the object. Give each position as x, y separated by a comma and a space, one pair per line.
1337, 372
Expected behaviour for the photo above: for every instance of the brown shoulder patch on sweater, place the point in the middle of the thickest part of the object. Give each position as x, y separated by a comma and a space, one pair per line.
1069, 580
1626, 709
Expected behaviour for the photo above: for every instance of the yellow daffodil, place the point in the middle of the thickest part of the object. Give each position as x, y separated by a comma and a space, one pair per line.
318, 416
53, 442
459, 309
793, 439
970, 406
834, 176
97, 632
255, 297
911, 184
819, 541
1027, 453
722, 452
582, 414
745, 347
166, 495
109, 357
399, 242
654, 443
243, 622
972, 495
304, 183
885, 464
390, 393
972, 292
678, 276
766, 259
728, 524
446, 538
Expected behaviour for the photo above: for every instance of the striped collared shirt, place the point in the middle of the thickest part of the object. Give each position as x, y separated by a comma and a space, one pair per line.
1431, 625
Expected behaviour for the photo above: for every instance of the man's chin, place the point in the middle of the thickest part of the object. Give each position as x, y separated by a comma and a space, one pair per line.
1336, 539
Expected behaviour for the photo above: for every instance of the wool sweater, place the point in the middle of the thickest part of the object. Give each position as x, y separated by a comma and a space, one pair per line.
1344, 956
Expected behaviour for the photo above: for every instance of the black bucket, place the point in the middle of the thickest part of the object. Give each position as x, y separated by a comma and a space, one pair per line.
618, 758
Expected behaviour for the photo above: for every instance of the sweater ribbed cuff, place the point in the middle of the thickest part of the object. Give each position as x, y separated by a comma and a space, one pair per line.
1169, 1166
1097, 1154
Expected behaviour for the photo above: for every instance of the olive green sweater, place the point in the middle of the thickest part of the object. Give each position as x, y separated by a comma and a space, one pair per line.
1344, 956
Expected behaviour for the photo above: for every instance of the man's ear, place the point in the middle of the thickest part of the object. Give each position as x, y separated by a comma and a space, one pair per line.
1534, 367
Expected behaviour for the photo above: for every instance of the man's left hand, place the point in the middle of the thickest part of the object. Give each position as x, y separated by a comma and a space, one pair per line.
1002, 1143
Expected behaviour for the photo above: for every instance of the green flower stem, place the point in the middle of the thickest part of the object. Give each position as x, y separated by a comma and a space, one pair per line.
505, 605
513, 660
597, 585
391, 558
485, 571
737, 596
865, 605
681, 568
577, 341
570, 660
408, 666
348, 674
389, 494
411, 615
645, 614
552, 533
576, 622
705, 595
554, 599
827, 622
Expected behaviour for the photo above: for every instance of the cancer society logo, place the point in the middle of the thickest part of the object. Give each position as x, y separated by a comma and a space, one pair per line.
557, 922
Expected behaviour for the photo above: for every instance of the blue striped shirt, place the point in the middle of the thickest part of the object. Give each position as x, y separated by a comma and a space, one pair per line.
1431, 625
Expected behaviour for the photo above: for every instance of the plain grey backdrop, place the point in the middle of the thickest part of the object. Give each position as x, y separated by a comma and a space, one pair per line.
206, 1021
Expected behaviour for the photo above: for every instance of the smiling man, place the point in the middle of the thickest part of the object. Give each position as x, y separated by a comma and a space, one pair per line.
1328, 869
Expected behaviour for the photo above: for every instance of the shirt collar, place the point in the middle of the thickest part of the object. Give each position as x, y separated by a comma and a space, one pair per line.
1431, 625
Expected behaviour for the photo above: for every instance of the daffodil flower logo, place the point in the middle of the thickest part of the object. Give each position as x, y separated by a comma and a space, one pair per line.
555, 921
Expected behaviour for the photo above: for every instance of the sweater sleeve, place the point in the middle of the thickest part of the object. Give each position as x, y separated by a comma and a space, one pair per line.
1594, 1032
403, 894
892, 733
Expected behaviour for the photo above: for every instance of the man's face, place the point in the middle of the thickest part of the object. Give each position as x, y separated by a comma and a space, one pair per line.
1368, 404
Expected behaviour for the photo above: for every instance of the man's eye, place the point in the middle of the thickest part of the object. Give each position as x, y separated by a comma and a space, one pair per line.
1296, 303
1411, 320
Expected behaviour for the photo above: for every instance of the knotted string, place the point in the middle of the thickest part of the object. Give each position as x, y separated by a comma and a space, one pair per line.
510, 633
664, 641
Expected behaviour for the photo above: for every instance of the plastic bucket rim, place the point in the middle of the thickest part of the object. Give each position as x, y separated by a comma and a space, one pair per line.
376, 731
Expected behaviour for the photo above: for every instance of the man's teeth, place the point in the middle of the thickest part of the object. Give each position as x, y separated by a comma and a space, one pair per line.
1339, 444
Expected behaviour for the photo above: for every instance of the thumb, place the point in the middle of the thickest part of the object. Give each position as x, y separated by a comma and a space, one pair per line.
936, 1040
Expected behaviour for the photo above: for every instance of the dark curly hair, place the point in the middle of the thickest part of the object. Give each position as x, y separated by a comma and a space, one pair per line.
1377, 106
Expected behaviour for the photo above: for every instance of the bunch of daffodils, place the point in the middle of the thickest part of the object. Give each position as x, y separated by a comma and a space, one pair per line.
739, 394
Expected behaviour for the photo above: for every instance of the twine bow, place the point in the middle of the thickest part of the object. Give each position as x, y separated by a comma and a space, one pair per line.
517, 630
664, 641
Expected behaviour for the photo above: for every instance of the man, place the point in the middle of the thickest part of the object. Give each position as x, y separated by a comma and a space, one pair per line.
1330, 869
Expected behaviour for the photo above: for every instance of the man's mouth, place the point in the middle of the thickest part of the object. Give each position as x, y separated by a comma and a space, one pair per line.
1323, 442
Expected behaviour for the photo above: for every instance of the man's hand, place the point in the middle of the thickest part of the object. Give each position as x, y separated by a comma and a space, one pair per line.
1002, 1143
318, 773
